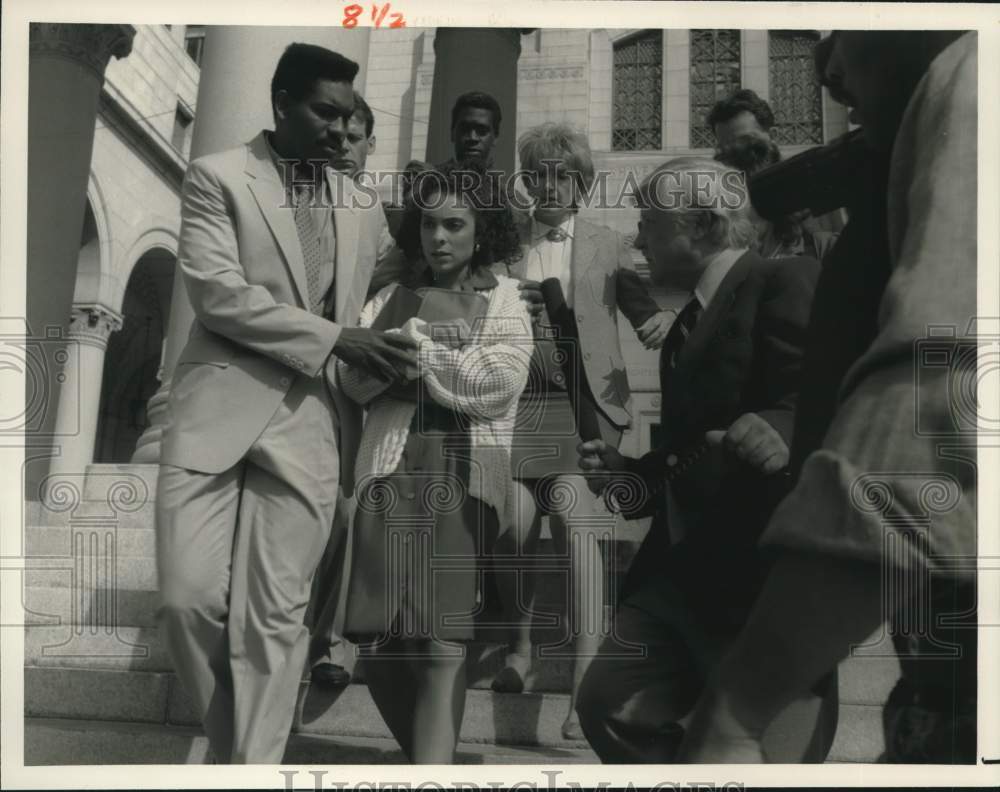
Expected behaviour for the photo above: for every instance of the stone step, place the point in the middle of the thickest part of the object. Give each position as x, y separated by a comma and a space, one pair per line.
54, 741
106, 493
139, 572
531, 719
95, 647
136, 573
93, 606
135, 584
524, 728
862, 679
64, 540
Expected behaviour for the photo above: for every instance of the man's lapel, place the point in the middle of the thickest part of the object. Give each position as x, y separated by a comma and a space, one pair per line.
708, 325
585, 276
352, 274
269, 192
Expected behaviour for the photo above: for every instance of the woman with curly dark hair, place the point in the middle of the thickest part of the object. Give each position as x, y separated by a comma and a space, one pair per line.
433, 469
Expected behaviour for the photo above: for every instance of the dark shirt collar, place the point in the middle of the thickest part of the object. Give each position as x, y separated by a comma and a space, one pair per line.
275, 160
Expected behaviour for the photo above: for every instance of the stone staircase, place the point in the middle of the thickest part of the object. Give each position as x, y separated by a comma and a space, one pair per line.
99, 688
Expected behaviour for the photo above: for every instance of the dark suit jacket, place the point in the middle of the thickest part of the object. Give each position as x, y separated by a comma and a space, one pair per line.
744, 355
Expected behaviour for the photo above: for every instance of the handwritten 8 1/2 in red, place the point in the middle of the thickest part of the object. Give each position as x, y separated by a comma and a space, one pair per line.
379, 13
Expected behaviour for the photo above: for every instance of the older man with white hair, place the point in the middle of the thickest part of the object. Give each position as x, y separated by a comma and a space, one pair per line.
729, 375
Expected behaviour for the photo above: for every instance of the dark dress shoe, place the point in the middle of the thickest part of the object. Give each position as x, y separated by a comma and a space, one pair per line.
508, 680
330, 675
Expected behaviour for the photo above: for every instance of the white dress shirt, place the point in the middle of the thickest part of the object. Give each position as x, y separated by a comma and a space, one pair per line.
547, 259
713, 275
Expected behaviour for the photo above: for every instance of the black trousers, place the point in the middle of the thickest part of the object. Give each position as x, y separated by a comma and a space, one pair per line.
652, 669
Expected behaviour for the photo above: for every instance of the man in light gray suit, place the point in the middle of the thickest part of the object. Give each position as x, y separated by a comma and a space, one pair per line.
259, 438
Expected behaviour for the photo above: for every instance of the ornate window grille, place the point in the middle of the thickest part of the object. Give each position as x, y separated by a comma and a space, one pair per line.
715, 74
796, 98
638, 91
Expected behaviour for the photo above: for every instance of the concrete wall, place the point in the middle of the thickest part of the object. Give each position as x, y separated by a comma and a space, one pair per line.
135, 169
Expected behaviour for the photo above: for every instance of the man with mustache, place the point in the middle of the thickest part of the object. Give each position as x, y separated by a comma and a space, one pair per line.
743, 124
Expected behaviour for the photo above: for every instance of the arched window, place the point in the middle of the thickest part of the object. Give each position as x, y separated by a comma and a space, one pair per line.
637, 117
795, 98
715, 74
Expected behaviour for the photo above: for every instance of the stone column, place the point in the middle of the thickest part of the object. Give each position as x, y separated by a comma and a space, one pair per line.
76, 419
677, 89
233, 106
65, 75
756, 61
474, 59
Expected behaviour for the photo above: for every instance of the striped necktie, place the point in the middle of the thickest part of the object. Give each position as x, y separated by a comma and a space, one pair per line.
680, 330
309, 240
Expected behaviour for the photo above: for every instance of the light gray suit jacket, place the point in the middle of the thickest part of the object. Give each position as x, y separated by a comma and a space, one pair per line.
253, 334
604, 281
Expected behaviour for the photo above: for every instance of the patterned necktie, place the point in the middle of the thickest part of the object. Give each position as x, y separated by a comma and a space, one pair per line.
309, 240
680, 330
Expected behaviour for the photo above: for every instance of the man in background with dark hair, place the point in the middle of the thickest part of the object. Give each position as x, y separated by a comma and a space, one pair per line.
259, 438
742, 113
475, 127
743, 124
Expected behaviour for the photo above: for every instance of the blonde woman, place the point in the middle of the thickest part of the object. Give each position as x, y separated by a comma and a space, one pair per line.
594, 271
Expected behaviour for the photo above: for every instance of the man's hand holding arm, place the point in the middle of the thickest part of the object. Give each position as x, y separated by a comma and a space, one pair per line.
531, 293
650, 322
384, 355
653, 332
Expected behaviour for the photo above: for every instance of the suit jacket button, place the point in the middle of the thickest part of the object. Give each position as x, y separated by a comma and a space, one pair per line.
284, 382
671, 460
579, 318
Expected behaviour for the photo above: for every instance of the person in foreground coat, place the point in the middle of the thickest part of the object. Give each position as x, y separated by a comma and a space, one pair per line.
885, 451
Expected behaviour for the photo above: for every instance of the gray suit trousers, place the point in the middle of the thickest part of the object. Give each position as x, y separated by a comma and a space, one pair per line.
236, 555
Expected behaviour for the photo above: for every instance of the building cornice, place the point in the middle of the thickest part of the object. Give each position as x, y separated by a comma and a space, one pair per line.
88, 45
